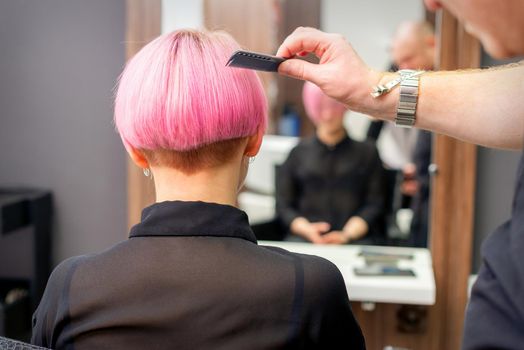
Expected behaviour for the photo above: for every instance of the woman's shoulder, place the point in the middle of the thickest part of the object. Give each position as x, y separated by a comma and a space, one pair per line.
64, 273
65, 268
317, 271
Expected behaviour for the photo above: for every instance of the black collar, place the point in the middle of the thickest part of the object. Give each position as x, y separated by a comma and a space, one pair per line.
178, 218
345, 141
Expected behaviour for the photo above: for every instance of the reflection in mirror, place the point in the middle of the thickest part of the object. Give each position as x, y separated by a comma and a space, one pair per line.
330, 179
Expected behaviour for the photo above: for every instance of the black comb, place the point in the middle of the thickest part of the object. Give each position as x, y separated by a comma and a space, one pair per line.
253, 60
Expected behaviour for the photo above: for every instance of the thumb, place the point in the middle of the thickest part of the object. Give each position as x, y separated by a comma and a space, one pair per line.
299, 69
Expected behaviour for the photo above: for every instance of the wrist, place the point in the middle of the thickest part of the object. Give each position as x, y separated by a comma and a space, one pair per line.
355, 228
299, 226
385, 107
347, 234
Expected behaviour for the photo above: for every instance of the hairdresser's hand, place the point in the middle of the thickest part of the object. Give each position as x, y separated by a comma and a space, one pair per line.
311, 231
340, 73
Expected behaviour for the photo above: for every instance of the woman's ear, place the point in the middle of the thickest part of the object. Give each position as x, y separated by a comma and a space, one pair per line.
138, 157
253, 143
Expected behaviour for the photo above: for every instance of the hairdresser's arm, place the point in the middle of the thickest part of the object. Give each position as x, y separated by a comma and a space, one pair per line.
482, 107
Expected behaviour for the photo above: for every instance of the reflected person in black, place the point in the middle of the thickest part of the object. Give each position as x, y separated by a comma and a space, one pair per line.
417, 181
330, 190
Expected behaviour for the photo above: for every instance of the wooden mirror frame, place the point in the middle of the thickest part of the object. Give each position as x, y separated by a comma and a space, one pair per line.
453, 199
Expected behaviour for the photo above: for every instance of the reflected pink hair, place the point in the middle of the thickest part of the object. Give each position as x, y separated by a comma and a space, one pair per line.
177, 94
315, 100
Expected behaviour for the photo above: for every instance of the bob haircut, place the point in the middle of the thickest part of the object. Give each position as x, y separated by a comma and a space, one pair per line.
315, 101
178, 102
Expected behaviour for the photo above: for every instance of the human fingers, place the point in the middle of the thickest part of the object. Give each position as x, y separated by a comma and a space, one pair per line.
321, 226
326, 46
333, 237
328, 237
300, 69
302, 40
315, 237
433, 5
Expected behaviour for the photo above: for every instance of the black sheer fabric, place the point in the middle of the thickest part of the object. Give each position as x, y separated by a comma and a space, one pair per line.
192, 276
332, 184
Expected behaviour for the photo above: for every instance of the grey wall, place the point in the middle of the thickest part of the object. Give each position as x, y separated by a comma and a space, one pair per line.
496, 176
59, 60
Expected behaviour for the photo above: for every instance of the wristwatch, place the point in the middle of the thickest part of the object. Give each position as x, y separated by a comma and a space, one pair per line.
406, 109
407, 103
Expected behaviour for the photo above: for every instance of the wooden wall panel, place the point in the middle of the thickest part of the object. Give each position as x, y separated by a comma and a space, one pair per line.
381, 328
453, 200
250, 22
143, 25
253, 24
296, 13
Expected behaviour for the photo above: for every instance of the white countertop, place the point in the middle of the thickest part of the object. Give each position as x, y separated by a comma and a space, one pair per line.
418, 290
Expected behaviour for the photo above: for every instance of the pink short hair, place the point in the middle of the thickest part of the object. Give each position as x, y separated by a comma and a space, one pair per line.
177, 94
315, 100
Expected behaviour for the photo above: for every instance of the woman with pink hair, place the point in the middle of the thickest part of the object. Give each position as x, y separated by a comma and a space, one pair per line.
191, 275
330, 190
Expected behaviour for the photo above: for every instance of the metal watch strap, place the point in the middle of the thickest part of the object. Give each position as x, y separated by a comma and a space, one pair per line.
407, 103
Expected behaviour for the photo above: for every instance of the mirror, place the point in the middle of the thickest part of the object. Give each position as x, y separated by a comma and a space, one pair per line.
394, 208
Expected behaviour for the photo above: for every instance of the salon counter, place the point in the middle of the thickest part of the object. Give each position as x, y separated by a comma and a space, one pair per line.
416, 290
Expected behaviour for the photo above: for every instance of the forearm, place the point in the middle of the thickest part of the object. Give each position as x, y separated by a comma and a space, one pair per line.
481, 107
299, 226
356, 228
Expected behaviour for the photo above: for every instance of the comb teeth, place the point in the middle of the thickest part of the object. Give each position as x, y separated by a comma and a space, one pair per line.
254, 56
251, 60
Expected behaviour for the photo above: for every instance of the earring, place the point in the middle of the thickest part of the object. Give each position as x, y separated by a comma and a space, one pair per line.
147, 172
251, 160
